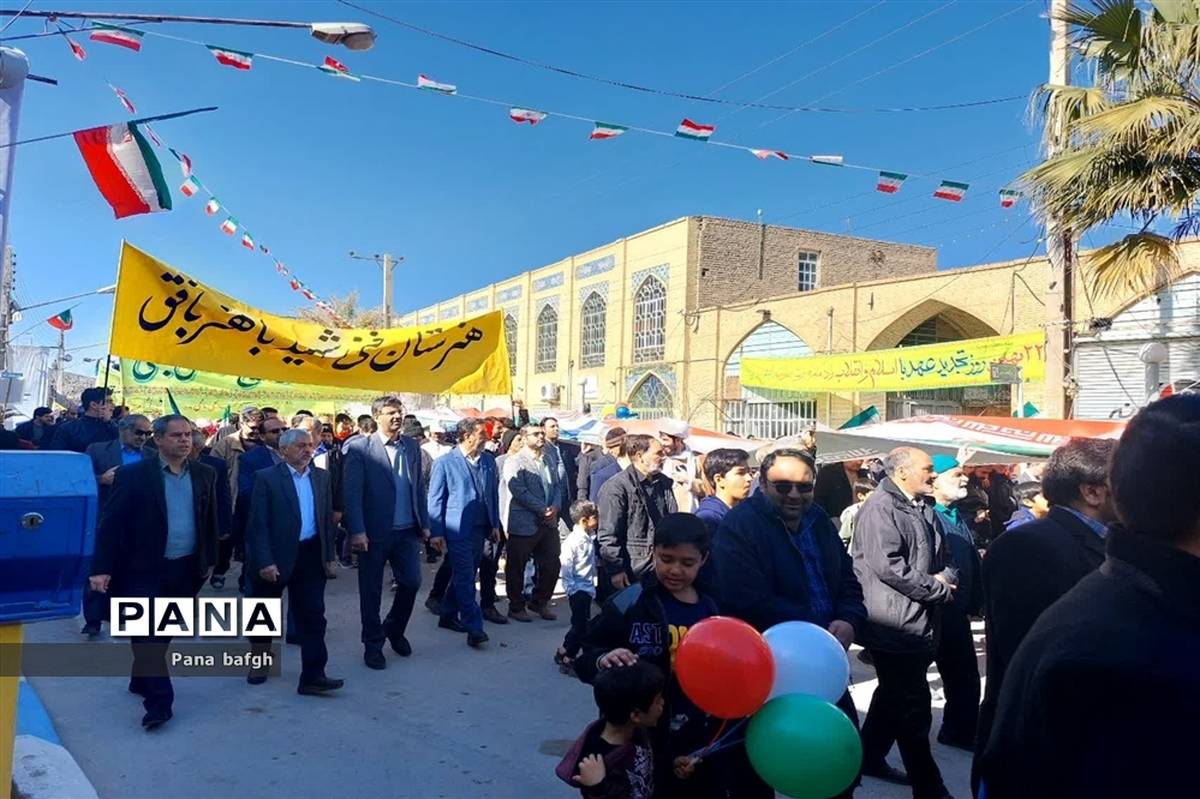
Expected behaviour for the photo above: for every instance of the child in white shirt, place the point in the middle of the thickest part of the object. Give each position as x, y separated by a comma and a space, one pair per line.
578, 560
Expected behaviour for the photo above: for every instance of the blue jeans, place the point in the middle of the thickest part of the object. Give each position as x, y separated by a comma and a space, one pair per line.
464, 554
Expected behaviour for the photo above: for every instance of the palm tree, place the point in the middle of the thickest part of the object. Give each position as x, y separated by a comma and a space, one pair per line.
1128, 145
348, 310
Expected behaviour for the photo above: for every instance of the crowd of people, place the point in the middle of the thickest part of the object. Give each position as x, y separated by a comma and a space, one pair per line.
1084, 569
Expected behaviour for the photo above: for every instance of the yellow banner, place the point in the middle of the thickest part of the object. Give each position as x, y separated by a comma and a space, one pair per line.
165, 316
948, 365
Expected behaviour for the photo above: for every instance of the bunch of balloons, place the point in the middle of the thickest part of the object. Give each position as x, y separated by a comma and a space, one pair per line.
786, 682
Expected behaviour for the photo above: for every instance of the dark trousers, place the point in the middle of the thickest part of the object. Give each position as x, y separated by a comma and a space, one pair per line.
95, 606
306, 608
489, 566
901, 711
150, 676
402, 549
581, 614
957, 664
224, 556
464, 553
543, 546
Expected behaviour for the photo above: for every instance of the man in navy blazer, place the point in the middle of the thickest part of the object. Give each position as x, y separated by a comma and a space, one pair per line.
386, 518
464, 508
289, 543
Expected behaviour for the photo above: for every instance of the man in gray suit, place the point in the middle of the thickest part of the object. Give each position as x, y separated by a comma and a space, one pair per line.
538, 491
289, 544
387, 519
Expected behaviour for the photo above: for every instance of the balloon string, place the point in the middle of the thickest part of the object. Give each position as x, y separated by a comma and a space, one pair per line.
720, 740
728, 743
717, 737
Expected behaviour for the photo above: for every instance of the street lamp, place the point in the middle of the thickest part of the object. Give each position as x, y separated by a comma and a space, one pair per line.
352, 35
105, 290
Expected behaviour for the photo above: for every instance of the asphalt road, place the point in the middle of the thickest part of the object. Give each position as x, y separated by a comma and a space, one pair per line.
448, 722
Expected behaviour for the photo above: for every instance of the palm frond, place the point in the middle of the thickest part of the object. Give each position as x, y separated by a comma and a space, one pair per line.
1111, 35
1137, 264
1132, 123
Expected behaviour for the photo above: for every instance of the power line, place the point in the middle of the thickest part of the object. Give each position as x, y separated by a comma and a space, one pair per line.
667, 92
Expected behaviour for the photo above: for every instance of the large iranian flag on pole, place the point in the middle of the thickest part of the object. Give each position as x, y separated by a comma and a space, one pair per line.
126, 171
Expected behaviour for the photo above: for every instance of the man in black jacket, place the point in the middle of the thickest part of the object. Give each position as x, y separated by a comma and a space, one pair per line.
39, 431
779, 559
1028, 568
900, 559
94, 425
158, 538
1101, 697
631, 504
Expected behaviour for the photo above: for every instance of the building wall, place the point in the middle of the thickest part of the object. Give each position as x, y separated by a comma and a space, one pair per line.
741, 261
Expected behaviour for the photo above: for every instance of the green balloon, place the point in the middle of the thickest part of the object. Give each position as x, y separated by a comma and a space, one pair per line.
804, 747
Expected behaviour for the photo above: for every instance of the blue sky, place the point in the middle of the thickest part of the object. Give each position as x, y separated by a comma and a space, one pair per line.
315, 167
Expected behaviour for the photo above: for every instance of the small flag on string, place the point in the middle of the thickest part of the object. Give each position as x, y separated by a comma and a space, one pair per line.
295, 284
827, 160
61, 321
1009, 198
952, 191
264, 249
281, 269
125, 169
189, 187
212, 206
765, 154
153, 136
76, 48
308, 295
231, 58
424, 82
185, 163
128, 38
604, 130
124, 98
229, 226
520, 115
247, 240
337, 69
890, 182
691, 130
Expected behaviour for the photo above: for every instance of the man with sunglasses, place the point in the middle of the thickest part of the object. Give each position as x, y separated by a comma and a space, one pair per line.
133, 433
778, 558
907, 575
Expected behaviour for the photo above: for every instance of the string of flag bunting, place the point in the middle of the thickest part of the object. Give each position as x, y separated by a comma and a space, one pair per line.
191, 186
888, 181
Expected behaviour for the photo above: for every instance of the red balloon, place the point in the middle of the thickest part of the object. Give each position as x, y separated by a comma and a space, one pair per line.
725, 667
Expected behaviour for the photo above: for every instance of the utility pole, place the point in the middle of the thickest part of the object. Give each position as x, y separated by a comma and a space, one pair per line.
1059, 243
388, 263
7, 277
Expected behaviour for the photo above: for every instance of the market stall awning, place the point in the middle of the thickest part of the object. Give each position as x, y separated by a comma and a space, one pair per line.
995, 440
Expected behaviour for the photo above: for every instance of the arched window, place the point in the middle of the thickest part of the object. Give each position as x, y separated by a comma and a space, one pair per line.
651, 399
591, 350
510, 340
547, 341
649, 321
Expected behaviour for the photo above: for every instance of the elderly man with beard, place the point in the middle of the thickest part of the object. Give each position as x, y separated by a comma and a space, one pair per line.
955, 655
901, 560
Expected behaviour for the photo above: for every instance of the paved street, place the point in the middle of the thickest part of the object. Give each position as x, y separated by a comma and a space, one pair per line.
447, 722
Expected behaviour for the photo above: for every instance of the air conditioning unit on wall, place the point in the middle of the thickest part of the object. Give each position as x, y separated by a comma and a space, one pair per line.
549, 392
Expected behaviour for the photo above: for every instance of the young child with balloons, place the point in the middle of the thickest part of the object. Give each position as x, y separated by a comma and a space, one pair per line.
646, 623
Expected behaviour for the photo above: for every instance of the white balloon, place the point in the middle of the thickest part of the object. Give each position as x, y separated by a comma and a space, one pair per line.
808, 660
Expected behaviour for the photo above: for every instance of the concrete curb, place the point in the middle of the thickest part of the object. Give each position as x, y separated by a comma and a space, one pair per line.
42, 767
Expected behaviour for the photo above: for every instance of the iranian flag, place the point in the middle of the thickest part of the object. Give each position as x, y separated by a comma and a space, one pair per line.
115, 34
185, 163
520, 115
424, 82
76, 48
229, 226
337, 69
281, 269
890, 182
61, 321
247, 240
265, 250
603, 130
691, 130
763, 155
828, 160
124, 98
190, 187
212, 206
1009, 198
231, 58
295, 284
308, 295
952, 191
125, 169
